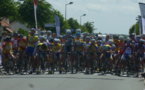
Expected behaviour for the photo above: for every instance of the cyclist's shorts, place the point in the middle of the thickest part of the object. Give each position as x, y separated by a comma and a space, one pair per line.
30, 50
68, 48
108, 55
140, 55
127, 56
91, 53
57, 56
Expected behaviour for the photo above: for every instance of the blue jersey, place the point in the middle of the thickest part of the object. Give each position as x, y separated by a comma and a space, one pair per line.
69, 40
128, 51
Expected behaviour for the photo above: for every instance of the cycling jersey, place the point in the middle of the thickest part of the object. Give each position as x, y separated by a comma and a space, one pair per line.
56, 47
86, 45
22, 44
32, 41
78, 44
68, 40
68, 43
42, 46
128, 51
15, 43
7, 47
92, 48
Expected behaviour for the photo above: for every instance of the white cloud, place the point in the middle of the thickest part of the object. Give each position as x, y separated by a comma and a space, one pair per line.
118, 6
97, 7
105, 13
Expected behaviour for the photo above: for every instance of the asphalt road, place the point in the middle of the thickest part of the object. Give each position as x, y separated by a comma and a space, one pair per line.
70, 82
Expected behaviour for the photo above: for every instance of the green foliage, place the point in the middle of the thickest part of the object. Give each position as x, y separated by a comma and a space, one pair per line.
134, 29
88, 27
23, 32
8, 9
24, 12
83, 28
44, 13
73, 23
65, 26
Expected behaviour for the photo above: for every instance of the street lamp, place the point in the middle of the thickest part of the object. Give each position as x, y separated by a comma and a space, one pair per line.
81, 18
66, 8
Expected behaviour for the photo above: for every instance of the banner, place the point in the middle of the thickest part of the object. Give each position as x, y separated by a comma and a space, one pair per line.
35, 2
143, 25
142, 10
140, 25
57, 24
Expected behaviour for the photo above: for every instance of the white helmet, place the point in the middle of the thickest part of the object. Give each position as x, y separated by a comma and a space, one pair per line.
42, 38
78, 30
56, 40
93, 40
68, 31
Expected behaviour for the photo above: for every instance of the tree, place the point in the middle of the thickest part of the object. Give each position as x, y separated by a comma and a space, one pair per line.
88, 27
134, 29
23, 32
8, 9
44, 13
73, 23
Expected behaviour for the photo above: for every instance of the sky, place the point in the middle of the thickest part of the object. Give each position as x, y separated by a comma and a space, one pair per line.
109, 16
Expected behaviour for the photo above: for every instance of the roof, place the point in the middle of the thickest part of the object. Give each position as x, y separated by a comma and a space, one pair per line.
9, 30
4, 24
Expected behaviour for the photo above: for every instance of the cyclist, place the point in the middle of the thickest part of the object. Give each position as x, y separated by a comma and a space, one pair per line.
127, 57
41, 55
92, 50
56, 50
7, 55
15, 42
32, 43
68, 48
78, 48
21, 62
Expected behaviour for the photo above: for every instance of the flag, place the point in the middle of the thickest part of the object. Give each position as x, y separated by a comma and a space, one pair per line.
35, 12
35, 2
140, 24
142, 10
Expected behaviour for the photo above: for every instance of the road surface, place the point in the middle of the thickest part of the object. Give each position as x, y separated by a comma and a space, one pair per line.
70, 82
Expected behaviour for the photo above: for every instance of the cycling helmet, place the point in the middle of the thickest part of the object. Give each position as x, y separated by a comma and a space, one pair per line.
121, 37
142, 40
7, 39
78, 30
68, 31
87, 37
56, 40
93, 40
49, 31
42, 38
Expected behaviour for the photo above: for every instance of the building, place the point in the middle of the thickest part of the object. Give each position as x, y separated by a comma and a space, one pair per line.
17, 25
5, 26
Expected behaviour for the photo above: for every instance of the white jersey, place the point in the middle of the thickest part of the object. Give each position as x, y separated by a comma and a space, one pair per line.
15, 43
